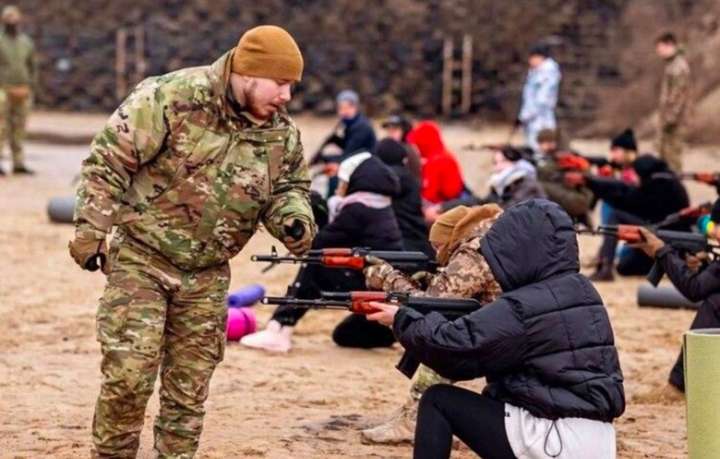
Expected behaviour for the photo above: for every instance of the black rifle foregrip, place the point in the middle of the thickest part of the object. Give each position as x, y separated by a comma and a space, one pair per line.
656, 274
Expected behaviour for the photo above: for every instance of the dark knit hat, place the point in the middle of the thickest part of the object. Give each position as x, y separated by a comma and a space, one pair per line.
715, 212
539, 49
625, 140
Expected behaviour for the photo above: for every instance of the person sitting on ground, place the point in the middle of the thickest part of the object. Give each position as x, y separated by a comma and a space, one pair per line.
659, 194
575, 200
514, 180
397, 127
545, 346
457, 235
408, 204
441, 176
697, 281
361, 217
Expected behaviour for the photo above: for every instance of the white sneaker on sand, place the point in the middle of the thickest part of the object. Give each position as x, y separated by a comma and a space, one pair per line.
275, 338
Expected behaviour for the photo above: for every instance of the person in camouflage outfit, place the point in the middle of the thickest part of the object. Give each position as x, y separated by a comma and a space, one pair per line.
18, 79
456, 236
185, 170
674, 101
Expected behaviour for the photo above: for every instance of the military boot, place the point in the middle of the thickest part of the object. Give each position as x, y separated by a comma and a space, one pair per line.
400, 428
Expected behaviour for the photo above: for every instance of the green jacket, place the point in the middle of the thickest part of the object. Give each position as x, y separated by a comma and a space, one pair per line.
17, 60
576, 202
178, 170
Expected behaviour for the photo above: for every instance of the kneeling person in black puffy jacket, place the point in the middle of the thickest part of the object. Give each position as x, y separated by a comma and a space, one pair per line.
545, 346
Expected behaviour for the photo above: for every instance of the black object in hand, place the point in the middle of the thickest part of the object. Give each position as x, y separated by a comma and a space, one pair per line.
296, 230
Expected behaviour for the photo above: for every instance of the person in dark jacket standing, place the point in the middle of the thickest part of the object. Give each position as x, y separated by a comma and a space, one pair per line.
545, 346
697, 283
358, 134
361, 215
660, 194
408, 204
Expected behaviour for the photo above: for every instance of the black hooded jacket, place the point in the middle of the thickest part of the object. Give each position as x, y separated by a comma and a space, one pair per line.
660, 193
408, 203
358, 225
546, 344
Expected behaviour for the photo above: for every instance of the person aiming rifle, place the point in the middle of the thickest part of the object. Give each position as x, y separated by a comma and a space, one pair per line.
463, 273
695, 278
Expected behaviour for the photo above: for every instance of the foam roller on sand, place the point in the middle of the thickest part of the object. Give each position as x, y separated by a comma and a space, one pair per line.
60, 209
702, 391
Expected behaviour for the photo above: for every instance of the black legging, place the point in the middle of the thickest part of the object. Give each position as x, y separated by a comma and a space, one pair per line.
477, 420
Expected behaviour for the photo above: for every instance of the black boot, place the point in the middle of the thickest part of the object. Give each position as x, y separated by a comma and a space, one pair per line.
604, 272
22, 170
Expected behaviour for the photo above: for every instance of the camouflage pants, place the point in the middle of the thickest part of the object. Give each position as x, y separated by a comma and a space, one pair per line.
424, 378
13, 117
670, 147
153, 316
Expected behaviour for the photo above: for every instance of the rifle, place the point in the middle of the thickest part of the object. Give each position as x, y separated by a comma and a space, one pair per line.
692, 212
683, 242
358, 302
354, 258
708, 178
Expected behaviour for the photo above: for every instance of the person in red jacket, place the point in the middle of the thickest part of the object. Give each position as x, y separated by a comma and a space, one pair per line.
441, 177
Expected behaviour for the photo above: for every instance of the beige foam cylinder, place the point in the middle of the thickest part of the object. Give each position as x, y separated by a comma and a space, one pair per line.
702, 390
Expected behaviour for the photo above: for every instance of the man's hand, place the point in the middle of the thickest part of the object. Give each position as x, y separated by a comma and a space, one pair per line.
89, 251
574, 179
298, 236
386, 313
651, 243
375, 272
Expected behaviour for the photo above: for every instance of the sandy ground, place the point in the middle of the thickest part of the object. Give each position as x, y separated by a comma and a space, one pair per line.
308, 404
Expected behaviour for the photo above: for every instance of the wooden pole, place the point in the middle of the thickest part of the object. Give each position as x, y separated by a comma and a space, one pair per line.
140, 62
466, 99
120, 63
447, 76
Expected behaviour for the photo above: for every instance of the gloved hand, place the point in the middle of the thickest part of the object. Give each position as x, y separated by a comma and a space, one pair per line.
375, 272
298, 236
89, 250
422, 278
574, 179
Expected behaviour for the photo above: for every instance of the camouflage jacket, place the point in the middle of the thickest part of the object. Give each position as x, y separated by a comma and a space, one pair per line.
575, 201
178, 170
467, 275
675, 91
17, 60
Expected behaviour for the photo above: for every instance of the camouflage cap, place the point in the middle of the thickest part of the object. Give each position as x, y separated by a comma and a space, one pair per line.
11, 15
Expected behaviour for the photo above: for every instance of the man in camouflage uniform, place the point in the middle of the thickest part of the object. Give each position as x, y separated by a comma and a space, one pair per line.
18, 78
185, 169
674, 101
456, 236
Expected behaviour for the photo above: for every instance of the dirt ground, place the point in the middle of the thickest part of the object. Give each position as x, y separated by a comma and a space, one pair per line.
310, 403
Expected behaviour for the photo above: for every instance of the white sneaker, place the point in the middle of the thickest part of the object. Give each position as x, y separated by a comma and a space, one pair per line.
275, 338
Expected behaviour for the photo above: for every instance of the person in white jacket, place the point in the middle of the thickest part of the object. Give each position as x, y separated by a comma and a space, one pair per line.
540, 95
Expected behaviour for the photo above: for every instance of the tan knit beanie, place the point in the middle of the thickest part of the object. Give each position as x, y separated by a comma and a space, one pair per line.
268, 52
